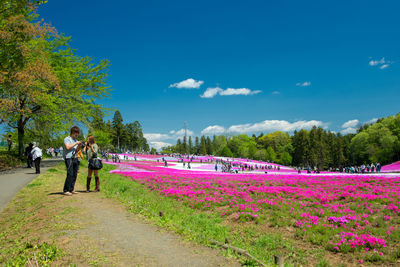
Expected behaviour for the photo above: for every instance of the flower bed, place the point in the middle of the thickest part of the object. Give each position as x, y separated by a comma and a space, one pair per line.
346, 213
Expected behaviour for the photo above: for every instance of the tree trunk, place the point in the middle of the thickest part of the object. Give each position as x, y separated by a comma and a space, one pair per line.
21, 134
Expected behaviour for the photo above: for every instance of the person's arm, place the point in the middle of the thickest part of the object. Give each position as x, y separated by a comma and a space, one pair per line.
70, 146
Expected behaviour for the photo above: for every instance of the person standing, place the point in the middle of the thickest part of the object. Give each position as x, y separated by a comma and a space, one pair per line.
71, 162
28, 155
9, 142
92, 150
36, 156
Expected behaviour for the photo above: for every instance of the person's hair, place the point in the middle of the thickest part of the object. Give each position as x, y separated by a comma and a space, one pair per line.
9, 135
91, 139
75, 129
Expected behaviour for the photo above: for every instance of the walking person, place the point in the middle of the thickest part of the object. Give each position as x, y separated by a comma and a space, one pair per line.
92, 150
71, 161
28, 155
36, 156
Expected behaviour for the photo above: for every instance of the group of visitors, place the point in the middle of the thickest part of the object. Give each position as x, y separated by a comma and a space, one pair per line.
369, 168
33, 155
55, 152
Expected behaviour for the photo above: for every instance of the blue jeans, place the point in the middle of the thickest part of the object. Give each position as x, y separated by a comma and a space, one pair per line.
72, 172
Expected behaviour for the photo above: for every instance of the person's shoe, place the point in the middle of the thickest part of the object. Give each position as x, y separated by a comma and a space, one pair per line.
74, 192
67, 194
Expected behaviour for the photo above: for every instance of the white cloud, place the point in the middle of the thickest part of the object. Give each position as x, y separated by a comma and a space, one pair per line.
264, 126
158, 144
181, 132
372, 121
351, 126
382, 63
239, 91
384, 66
155, 136
214, 129
188, 84
351, 123
213, 91
275, 92
303, 84
349, 130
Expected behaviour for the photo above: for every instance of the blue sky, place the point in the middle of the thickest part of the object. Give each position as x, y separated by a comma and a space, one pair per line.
272, 64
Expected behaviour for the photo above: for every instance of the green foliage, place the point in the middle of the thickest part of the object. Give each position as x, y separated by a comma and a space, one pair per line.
379, 142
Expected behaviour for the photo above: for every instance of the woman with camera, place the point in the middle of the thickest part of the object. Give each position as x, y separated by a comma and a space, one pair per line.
92, 149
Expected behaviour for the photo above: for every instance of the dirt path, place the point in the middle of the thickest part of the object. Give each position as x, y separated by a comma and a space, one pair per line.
110, 227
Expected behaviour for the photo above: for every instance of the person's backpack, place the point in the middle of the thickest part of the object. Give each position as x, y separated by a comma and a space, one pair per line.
95, 163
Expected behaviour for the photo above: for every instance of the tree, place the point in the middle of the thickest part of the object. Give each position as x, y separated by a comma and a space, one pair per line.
270, 154
118, 127
190, 145
42, 79
196, 145
203, 148
226, 152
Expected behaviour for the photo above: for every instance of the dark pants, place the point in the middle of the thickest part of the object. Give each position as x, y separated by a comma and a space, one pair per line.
72, 173
30, 161
37, 164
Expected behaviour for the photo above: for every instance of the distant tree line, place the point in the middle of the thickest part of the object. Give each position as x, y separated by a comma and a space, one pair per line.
377, 142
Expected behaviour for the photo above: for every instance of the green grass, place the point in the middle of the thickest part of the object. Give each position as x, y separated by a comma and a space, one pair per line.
196, 225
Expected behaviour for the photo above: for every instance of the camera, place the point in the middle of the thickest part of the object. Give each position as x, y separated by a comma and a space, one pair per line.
83, 144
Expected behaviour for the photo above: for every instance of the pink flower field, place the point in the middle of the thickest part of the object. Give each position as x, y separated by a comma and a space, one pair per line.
342, 213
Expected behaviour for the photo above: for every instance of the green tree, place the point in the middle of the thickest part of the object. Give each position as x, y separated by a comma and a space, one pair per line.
203, 148
118, 128
190, 145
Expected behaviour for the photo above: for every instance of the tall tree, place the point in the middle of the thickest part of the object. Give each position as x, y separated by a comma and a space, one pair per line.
190, 145
118, 128
203, 148
196, 145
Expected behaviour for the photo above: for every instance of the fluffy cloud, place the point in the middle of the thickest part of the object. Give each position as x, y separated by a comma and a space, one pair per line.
382, 63
265, 126
275, 92
351, 123
239, 91
373, 120
188, 84
155, 136
213, 91
275, 125
181, 132
350, 127
384, 66
349, 130
214, 129
303, 84
158, 144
